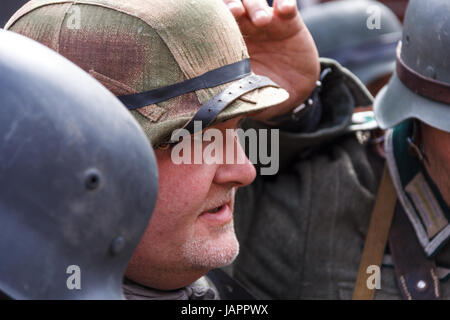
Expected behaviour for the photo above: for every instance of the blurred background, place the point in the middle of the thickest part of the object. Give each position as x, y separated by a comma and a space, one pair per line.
397, 6
7, 9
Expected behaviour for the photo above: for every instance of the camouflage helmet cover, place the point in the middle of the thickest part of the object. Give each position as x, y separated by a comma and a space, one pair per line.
134, 46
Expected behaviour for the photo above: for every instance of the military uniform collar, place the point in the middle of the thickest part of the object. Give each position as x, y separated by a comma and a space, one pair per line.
419, 196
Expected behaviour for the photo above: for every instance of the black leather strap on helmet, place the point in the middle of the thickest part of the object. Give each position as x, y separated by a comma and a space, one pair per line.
209, 111
209, 79
420, 84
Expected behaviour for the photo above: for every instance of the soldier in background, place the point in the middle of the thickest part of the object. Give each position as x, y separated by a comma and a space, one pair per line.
415, 108
78, 179
327, 244
397, 6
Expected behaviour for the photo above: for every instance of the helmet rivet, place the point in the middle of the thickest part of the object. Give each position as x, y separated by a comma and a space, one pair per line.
421, 285
92, 179
117, 245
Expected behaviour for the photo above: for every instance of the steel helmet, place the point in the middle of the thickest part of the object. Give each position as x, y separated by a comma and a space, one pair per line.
78, 179
170, 62
420, 86
344, 31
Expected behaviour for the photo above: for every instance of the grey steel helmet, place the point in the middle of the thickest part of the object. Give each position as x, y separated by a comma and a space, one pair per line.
347, 31
8, 9
420, 87
78, 179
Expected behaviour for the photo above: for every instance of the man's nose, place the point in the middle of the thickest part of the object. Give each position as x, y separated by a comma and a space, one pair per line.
237, 169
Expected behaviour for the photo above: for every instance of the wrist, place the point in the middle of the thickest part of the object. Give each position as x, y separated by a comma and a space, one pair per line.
305, 117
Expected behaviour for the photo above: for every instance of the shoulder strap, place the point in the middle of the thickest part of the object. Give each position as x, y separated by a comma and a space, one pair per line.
377, 235
415, 272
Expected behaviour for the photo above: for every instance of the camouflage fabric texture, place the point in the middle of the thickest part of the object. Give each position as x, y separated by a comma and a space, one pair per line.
135, 46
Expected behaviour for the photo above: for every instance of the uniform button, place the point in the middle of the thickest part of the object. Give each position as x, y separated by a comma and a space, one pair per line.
421, 285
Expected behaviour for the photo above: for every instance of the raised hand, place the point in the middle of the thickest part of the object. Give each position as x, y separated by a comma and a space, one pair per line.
280, 47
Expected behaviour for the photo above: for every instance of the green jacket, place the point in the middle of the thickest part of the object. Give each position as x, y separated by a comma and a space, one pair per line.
302, 231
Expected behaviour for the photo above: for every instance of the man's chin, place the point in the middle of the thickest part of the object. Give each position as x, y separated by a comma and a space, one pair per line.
218, 250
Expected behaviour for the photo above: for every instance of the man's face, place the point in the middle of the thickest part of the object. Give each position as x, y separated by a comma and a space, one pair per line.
191, 230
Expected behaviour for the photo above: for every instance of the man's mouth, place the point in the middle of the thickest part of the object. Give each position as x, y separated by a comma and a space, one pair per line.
216, 209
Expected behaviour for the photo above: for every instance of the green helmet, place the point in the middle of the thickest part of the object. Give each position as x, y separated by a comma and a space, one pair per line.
349, 32
420, 86
166, 60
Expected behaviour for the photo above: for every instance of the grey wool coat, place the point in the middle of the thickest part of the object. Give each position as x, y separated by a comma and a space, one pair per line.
302, 231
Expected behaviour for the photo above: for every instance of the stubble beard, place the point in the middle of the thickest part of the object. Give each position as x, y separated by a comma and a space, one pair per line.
207, 253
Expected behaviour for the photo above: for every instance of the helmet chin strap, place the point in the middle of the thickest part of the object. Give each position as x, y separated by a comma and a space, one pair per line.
415, 143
